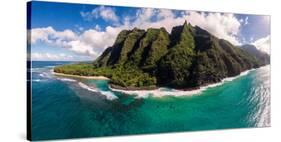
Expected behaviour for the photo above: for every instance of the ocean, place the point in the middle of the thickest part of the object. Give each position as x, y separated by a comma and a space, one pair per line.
75, 108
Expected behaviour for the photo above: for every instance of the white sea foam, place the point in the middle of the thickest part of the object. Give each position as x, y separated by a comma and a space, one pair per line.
42, 75
37, 80
45, 74
35, 69
67, 79
82, 85
109, 95
160, 92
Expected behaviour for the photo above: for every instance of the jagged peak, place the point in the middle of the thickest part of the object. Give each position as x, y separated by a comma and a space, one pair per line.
151, 29
123, 32
135, 29
187, 27
187, 24
121, 36
163, 29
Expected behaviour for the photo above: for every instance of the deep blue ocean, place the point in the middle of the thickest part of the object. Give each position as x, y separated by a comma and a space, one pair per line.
74, 108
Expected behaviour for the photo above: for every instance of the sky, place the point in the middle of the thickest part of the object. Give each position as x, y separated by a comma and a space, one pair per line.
81, 32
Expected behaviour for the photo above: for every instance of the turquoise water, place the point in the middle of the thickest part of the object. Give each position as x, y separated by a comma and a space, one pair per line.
62, 108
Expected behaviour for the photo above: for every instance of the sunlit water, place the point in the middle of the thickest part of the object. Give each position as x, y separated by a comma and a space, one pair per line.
73, 108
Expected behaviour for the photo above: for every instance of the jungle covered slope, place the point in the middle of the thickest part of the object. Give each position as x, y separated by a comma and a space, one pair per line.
188, 57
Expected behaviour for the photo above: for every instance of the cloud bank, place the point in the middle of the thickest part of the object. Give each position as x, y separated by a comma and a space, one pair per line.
51, 57
93, 42
263, 44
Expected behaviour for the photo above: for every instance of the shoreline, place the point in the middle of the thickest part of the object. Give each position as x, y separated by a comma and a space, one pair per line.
79, 76
164, 91
160, 91
132, 88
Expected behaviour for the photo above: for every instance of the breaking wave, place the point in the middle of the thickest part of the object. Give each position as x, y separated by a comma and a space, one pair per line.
108, 94
160, 92
66, 79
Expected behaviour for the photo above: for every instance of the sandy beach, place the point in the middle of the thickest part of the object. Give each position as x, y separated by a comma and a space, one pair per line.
84, 77
161, 91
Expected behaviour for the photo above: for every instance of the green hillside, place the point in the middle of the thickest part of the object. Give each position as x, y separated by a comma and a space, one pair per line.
188, 57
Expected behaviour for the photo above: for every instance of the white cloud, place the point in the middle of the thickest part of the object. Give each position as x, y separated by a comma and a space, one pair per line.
164, 18
91, 42
49, 35
106, 13
94, 41
51, 57
263, 44
99, 40
225, 26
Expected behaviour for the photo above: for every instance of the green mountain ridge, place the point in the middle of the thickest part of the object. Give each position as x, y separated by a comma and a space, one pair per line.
189, 57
